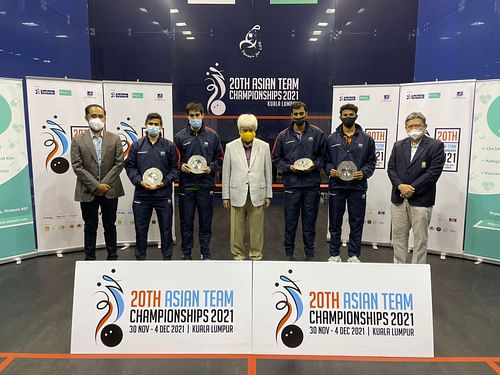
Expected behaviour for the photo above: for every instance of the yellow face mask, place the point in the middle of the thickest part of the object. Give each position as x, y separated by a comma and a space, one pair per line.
247, 137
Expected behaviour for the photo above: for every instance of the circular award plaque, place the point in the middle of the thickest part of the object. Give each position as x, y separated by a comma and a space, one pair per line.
197, 164
303, 164
346, 170
152, 176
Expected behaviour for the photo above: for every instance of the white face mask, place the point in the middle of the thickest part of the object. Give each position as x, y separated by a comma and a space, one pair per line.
415, 134
96, 124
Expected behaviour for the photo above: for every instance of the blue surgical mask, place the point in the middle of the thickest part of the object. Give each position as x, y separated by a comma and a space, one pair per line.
195, 123
152, 131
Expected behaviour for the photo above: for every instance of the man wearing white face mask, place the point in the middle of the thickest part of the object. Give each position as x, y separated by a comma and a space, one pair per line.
97, 160
196, 190
153, 151
414, 168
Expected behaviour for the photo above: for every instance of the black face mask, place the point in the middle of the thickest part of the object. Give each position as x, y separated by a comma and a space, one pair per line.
348, 121
299, 121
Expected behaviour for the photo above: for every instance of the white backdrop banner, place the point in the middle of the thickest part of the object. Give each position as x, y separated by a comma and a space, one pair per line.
127, 105
162, 307
342, 309
16, 214
482, 235
56, 115
378, 115
448, 109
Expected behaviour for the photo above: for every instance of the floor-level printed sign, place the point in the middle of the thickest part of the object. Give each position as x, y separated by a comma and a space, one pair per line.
162, 307
342, 309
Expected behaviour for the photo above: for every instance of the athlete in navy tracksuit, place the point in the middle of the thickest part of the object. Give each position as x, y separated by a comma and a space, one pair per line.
196, 190
348, 142
300, 140
153, 151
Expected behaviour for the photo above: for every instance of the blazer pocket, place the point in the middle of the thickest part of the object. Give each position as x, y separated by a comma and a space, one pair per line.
233, 185
262, 186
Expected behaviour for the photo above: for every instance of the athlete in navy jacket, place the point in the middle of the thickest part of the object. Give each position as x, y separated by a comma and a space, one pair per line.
196, 190
153, 151
300, 140
348, 143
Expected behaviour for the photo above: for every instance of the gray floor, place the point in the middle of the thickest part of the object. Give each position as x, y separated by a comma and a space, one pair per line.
36, 303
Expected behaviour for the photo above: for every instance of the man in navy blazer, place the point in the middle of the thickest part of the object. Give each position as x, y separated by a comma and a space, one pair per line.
415, 165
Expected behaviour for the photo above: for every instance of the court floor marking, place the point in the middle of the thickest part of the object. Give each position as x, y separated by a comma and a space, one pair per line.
252, 359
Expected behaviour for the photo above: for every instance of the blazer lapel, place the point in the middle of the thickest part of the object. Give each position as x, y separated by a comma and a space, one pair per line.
243, 154
87, 139
421, 147
106, 143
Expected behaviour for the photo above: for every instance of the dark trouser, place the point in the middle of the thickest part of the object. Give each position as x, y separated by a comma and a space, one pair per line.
302, 202
143, 209
90, 215
356, 207
190, 201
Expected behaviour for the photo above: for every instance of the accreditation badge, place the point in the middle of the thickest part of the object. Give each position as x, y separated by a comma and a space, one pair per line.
423, 164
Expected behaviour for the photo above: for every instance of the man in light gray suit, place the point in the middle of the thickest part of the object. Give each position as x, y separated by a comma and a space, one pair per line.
97, 160
247, 187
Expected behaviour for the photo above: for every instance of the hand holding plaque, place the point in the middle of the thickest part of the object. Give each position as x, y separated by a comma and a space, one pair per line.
152, 176
197, 164
346, 170
303, 164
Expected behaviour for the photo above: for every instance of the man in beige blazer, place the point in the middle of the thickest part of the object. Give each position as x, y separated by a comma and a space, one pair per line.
247, 187
97, 160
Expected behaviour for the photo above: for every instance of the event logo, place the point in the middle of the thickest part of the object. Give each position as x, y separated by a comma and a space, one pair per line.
44, 92
58, 145
112, 306
415, 96
127, 135
217, 86
292, 306
119, 94
347, 98
251, 46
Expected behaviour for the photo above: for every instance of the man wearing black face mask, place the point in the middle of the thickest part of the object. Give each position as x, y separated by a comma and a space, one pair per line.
298, 141
348, 143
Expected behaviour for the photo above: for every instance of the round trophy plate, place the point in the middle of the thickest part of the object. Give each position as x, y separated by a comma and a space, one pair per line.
152, 176
303, 164
346, 170
197, 164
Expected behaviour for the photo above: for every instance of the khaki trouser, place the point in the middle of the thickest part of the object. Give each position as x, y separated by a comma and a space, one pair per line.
239, 218
405, 217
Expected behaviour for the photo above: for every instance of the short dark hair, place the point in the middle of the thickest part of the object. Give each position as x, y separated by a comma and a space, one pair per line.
87, 109
194, 106
297, 105
349, 107
154, 116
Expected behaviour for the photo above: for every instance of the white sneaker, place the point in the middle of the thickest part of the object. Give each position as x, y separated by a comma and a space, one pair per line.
353, 259
336, 259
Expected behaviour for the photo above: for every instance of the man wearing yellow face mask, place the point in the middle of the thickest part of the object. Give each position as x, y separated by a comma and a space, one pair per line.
247, 187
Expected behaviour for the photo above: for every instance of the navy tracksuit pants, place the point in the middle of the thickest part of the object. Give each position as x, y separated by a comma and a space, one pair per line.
356, 207
303, 202
190, 201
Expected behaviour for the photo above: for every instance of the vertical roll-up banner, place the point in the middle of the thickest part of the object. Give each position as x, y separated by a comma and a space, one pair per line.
448, 109
378, 116
482, 234
56, 114
127, 105
16, 215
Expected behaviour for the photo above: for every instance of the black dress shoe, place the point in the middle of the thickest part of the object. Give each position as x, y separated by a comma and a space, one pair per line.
187, 257
290, 258
309, 258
